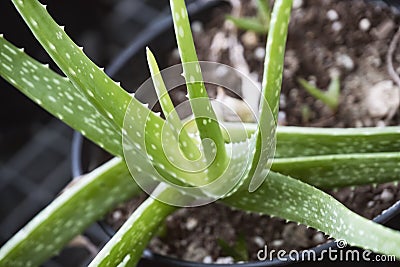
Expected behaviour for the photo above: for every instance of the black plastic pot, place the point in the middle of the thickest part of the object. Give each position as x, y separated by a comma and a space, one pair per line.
82, 150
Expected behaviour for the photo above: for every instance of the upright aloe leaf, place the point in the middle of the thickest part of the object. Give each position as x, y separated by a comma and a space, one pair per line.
275, 51
296, 201
58, 96
205, 117
271, 85
186, 143
69, 214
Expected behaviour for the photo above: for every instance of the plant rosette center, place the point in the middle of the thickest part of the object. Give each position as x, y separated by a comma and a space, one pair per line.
172, 152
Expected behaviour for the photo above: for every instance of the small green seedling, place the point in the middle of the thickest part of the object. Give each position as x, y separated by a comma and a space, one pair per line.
305, 113
238, 251
330, 97
259, 23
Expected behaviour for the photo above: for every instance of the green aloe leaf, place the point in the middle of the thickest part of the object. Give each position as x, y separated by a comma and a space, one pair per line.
274, 56
341, 170
81, 204
187, 145
271, 84
203, 112
108, 97
127, 245
105, 95
304, 141
296, 201
58, 96
295, 141
95, 190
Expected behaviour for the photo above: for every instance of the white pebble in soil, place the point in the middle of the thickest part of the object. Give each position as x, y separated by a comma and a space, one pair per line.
364, 24
332, 15
259, 241
225, 260
282, 101
259, 53
382, 98
277, 243
386, 195
297, 4
250, 39
319, 238
117, 215
191, 223
207, 259
197, 27
282, 118
345, 61
370, 204
337, 26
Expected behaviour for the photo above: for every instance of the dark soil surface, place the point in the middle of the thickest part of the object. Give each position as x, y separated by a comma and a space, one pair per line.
346, 37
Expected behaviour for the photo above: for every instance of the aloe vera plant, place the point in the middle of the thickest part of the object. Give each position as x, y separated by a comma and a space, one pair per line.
95, 105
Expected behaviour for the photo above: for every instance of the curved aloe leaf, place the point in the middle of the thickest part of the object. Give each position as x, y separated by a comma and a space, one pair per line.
127, 245
58, 96
117, 173
296, 201
69, 214
295, 141
304, 141
108, 97
341, 170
